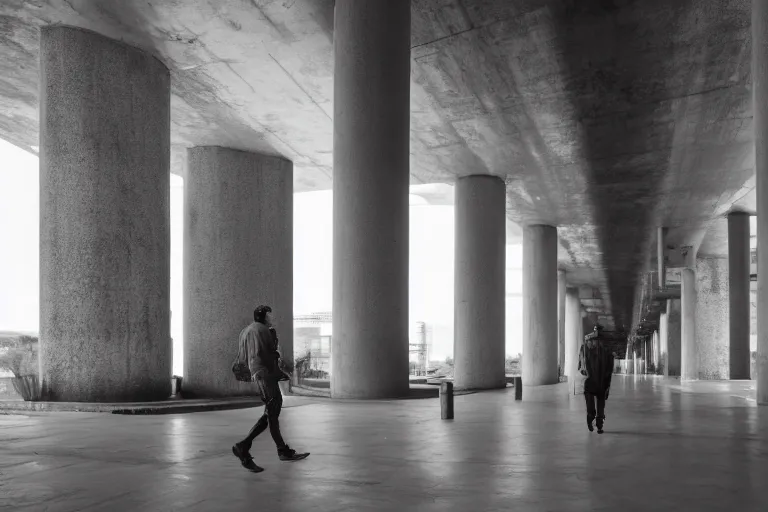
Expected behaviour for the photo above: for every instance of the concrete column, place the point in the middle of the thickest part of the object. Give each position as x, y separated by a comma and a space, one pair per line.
578, 380
689, 369
634, 358
572, 331
104, 220
760, 120
370, 198
561, 285
540, 343
712, 333
738, 296
663, 340
480, 284
674, 331
238, 253
661, 242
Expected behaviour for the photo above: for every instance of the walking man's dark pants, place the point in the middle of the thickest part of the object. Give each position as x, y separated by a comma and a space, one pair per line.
273, 404
595, 412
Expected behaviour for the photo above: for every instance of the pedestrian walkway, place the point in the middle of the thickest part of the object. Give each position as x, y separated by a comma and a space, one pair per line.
666, 447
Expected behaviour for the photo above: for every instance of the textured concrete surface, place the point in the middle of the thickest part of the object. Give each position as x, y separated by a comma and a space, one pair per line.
561, 287
667, 447
134, 408
479, 284
370, 199
104, 220
540, 306
739, 358
238, 253
760, 88
712, 332
606, 119
664, 340
573, 337
674, 338
689, 347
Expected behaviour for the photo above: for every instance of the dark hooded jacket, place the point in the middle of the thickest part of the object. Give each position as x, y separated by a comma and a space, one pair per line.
596, 364
258, 347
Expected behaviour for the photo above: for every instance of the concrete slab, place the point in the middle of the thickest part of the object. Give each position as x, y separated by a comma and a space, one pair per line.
604, 118
162, 407
663, 450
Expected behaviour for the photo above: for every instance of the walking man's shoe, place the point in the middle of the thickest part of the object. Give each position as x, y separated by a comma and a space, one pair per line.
289, 455
590, 427
245, 459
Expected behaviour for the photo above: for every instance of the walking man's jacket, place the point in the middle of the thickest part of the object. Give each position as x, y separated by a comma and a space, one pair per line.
259, 348
596, 364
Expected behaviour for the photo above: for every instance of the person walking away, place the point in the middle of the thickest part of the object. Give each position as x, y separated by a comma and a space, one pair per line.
258, 346
596, 364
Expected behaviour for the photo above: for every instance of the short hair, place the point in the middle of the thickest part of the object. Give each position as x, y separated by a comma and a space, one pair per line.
260, 313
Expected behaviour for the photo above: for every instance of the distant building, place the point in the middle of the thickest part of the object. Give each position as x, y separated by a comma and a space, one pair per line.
312, 334
418, 349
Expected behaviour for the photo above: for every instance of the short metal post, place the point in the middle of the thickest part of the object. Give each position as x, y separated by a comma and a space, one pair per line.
518, 388
446, 400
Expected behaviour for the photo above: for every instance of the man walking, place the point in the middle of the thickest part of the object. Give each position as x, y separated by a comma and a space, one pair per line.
596, 364
258, 346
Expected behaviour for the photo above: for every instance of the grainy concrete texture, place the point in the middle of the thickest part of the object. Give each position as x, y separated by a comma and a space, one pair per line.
561, 286
480, 284
760, 105
689, 353
573, 333
238, 253
606, 119
539, 306
104, 220
667, 447
739, 358
664, 340
712, 333
674, 338
369, 355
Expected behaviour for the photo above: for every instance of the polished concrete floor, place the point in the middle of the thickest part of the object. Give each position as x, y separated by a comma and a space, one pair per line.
697, 447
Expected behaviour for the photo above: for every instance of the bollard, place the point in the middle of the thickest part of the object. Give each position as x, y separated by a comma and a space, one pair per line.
176, 386
446, 400
518, 388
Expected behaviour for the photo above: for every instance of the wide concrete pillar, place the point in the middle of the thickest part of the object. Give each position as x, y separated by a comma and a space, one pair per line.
238, 253
572, 332
561, 286
760, 120
712, 333
104, 220
674, 332
370, 198
738, 295
480, 284
689, 360
578, 380
664, 340
540, 344
661, 261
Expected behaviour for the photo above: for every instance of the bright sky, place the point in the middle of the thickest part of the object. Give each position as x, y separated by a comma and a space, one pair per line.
431, 267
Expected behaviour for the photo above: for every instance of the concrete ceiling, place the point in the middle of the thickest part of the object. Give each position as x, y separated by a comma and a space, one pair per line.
606, 118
